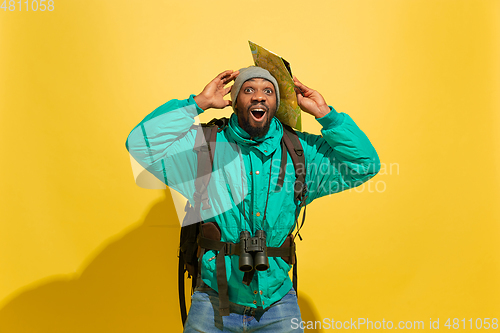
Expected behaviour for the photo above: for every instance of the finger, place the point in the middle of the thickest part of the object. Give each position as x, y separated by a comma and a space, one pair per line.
296, 81
231, 77
300, 97
305, 91
228, 102
301, 86
226, 81
223, 74
298, 91
235, 75
226, 72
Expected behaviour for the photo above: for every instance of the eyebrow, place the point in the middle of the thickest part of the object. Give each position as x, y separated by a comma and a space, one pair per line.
267, 81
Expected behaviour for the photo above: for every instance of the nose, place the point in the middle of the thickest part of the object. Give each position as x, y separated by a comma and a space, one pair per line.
259, 96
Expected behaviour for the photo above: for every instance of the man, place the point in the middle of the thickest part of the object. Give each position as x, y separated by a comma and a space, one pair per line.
244, 195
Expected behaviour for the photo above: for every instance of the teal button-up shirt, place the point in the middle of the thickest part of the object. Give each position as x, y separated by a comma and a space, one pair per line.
244, 178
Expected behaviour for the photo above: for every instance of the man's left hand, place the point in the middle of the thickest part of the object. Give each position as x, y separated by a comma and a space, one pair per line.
310, 100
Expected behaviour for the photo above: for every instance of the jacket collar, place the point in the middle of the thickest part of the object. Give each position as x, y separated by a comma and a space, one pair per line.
266, 144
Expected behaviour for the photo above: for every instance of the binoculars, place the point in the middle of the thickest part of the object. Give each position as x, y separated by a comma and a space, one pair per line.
253, 251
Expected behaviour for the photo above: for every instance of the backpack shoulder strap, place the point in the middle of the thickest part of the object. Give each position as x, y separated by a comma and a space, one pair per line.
294, 147
291, 143
205, 142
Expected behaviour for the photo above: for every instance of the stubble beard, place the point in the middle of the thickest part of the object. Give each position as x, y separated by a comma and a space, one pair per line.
257, 132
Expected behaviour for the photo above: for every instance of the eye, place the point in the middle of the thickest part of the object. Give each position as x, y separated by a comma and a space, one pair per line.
268, 91
248, 90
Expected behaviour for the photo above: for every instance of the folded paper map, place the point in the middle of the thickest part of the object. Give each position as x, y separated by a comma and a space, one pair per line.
289, 111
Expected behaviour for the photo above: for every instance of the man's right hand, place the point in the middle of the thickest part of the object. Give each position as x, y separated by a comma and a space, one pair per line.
213, 94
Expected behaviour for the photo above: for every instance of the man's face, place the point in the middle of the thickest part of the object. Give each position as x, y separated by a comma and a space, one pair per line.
256, 106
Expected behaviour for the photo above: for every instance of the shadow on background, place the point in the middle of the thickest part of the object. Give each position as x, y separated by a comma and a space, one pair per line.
131, 286
308, 311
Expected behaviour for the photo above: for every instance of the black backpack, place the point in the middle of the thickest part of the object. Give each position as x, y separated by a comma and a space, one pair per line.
196, 238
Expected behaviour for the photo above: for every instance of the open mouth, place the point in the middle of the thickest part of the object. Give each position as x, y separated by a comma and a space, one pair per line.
258, 112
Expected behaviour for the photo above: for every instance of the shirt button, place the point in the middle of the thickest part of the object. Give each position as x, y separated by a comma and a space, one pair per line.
257, 172
258, 214
255, 292
265, 151
262, 302
261, 292
250, 172
254, 302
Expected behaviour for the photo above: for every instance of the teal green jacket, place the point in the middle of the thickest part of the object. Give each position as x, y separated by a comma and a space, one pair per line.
244, 178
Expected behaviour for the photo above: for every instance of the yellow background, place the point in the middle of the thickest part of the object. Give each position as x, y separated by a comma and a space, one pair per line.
83, 249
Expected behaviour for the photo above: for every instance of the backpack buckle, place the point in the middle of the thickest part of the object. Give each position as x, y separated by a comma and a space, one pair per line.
227, 248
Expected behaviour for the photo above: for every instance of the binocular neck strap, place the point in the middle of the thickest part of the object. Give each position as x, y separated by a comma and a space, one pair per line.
248, 277
268, 188
267, 195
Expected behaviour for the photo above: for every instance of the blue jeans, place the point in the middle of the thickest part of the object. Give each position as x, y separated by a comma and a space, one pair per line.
204, 314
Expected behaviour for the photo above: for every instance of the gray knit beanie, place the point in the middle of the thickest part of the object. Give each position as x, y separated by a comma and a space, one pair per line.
250, 73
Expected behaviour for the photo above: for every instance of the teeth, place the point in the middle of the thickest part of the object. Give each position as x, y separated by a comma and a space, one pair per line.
262, 110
